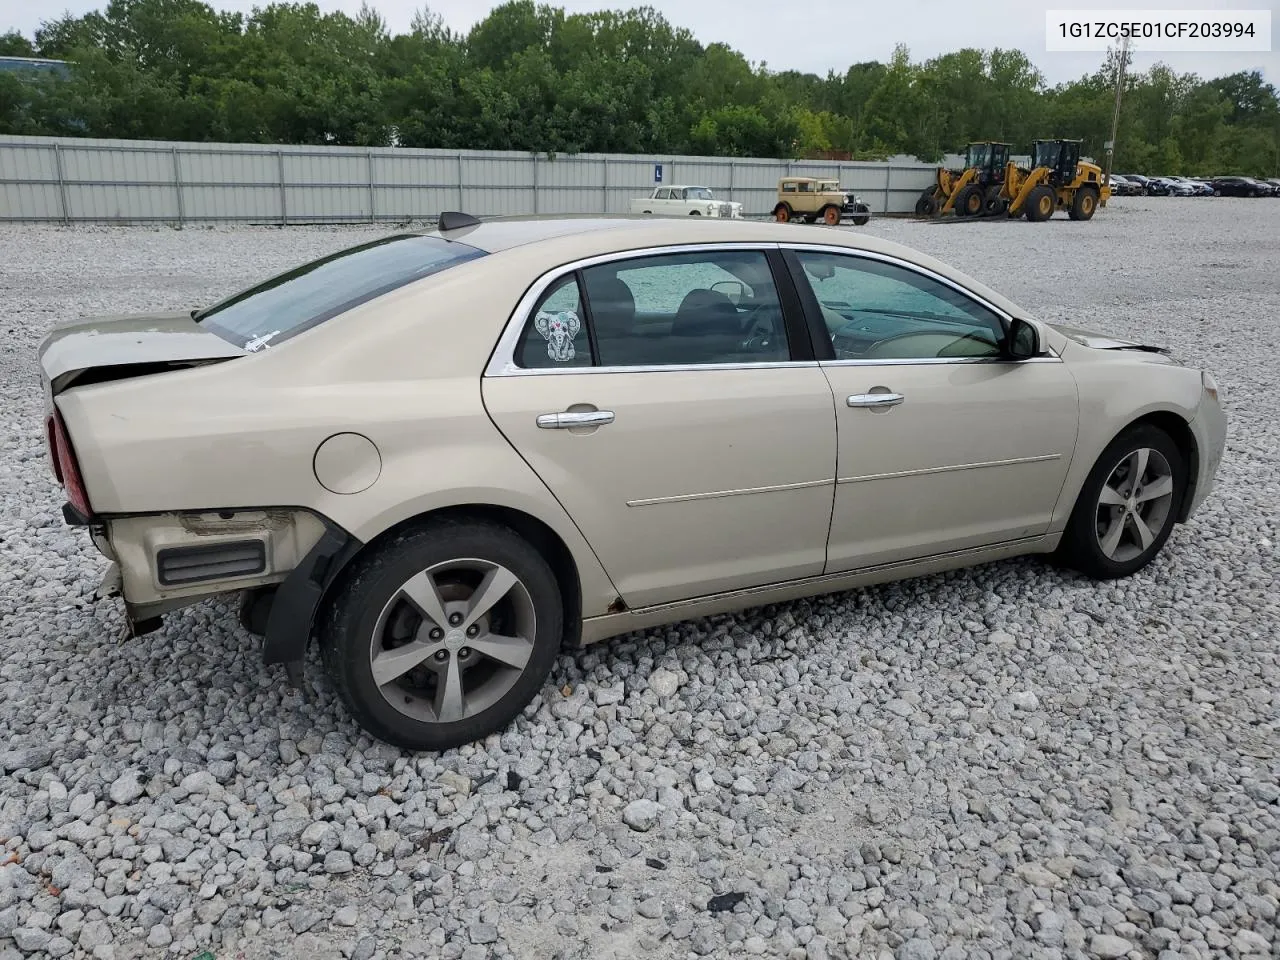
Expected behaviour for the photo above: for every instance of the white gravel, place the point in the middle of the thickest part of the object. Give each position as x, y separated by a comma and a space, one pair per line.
1005, 762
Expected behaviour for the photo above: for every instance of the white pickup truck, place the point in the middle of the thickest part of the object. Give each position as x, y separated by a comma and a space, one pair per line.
686, 202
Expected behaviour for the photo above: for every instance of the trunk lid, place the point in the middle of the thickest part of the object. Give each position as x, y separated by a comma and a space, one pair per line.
112, 348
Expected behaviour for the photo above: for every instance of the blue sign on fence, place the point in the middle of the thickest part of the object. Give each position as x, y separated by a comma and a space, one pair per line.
657, 173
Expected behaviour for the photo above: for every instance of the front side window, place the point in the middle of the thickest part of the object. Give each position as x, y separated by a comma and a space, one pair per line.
714, 307
285, 305
878, 311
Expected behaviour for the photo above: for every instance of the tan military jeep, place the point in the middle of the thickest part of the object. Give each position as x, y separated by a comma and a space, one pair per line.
812, 199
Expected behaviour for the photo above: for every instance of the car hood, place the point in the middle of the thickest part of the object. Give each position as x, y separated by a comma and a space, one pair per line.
129, 345
1100, 341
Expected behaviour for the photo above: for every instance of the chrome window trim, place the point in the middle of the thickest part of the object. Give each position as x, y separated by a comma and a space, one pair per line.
502, 361
1051, 357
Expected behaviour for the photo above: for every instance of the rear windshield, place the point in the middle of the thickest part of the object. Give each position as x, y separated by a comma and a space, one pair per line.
287, 304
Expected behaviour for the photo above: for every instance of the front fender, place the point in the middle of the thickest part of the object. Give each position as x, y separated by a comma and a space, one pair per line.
1117, 389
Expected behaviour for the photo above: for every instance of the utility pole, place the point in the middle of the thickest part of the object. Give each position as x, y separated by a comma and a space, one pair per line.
1115, 117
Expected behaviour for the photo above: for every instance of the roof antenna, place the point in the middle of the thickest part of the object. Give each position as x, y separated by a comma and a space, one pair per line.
452, 220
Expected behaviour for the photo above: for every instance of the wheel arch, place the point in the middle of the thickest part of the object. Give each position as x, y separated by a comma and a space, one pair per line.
1179, 431
537, 532
291, 625
1173, 422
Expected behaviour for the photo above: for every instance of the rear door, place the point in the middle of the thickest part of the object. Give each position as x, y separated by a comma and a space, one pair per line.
670, 402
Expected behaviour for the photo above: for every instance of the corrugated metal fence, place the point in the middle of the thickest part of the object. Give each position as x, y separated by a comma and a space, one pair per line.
71, 180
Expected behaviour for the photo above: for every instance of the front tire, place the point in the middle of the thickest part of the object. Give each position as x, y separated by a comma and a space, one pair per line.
1040, 204
444, 634
969, 201
1127, 506
1084, 204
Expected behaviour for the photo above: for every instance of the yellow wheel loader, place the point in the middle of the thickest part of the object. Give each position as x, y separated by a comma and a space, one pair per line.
1058, 180
971, 191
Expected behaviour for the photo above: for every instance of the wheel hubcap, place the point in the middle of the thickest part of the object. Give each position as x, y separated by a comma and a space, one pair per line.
1135, 505
453, 640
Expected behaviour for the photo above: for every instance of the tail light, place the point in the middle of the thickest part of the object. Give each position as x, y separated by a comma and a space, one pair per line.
65, 468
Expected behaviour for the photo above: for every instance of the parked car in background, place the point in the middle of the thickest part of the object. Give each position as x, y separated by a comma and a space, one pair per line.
1124, 187
1275, 184
1169, 187
1199, 188
1138, 179
1240, 187
686, 202
811, 199
787, 411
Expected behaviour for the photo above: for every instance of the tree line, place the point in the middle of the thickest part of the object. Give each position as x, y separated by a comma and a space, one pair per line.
533, 78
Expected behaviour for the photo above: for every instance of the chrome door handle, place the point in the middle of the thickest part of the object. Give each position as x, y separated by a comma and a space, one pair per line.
569, 419
875, 399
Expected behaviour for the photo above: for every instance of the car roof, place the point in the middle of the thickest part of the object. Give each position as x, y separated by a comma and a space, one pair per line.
546, 241
622, 232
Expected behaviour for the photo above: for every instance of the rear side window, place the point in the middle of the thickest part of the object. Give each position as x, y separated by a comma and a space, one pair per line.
708, 307
292, 302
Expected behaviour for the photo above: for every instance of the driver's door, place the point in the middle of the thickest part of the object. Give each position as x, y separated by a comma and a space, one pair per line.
943, 445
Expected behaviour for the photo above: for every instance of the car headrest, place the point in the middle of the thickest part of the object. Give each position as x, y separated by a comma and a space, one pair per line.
613, 306
706, 313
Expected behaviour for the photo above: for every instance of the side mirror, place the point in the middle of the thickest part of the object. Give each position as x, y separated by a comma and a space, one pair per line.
1022, 341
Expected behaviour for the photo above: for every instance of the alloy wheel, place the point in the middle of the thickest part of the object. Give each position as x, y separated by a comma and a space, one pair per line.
1134, 505
453, 640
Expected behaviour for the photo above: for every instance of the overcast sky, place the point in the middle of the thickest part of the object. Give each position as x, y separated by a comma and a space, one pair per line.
850, 30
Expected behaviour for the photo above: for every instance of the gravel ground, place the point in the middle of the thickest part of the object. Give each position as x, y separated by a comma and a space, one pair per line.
1004, 762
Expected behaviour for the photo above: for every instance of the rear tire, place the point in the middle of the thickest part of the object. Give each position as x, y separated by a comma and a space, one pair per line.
927, 203
502, 631
1084, 204
1120, 520
1040, 204
782, 213
994, 205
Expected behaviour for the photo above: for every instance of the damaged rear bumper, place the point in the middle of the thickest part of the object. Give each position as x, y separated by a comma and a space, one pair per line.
159, 563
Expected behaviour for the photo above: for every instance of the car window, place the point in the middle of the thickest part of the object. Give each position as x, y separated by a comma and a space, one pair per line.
555, 335
788, 188
687, 308
875, 310
287, 304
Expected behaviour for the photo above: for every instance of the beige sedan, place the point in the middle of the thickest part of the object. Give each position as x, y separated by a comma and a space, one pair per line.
442, 456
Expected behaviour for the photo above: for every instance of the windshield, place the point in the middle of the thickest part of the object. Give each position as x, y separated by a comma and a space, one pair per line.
1045, 155
698, 193
302, 298
979, 154
829, 186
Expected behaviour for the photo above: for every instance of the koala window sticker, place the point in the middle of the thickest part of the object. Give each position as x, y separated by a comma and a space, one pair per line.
559, 330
